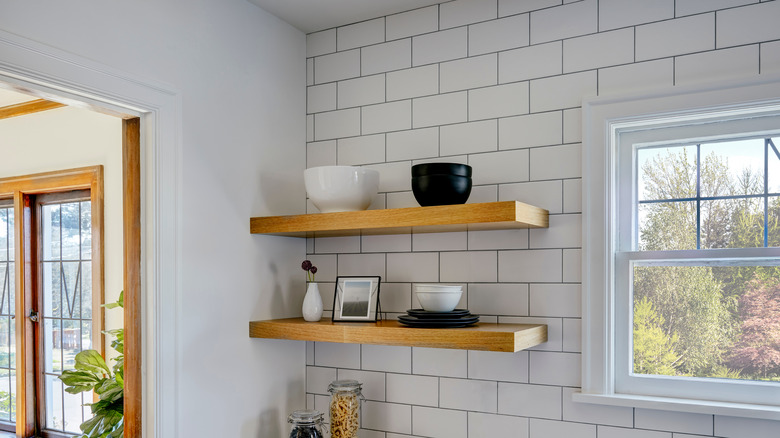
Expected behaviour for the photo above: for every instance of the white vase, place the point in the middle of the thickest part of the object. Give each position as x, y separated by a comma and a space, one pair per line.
312, 303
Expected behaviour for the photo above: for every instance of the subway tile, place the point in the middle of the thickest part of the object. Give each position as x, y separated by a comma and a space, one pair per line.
554, 331
401, 200
395, 297
690, 7
360, 34
321, 153
572, 125
455, 241
500, 167
337, 66
309, 127
309, 352
530, 62
361, 91
336, 124
637, 77
326, 292
440, 110
463, 12
385, 117
562, 92
595, 414
512, 7
734, 427
748, 24
386, 242
496, 35
365, 433
499, 101
770, 57
413, 267
675, 37
565, 231
564, 21
500, 366
483, 194
413, 82
572, 335
560, 300
361, 150
321, 402
738, 62
386, 358
413, 390
414, 22
539, 428
469, 395
490, 425
439, 423
440, 46
413, 144
543, 194
615, 14
622, 432
572, 265
554, 162
320, 98
530, 266
394, 177
498, 299
388, 417
469, 138
673, 421
468, 266
462, 74
386, 57
330, 245
318, 379
530, 130
320, 43
326, 266
598, 50
554, 368
530, 401
310, 401
329, 354
439, 362
373, 382
572, 195
361, 264
498, 239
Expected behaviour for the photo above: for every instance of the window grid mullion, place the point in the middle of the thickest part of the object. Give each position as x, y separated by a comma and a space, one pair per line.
698, 196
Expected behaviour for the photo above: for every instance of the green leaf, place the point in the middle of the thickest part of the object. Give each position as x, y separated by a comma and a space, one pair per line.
91, 360
119, 302
77, 381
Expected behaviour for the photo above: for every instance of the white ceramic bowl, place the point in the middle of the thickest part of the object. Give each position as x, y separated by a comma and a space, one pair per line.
438, 297
341, 188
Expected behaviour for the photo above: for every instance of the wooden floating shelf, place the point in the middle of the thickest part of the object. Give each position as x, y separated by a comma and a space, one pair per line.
482, 336
442, 218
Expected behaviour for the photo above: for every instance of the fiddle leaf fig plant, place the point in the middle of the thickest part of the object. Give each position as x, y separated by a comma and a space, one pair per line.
91, 373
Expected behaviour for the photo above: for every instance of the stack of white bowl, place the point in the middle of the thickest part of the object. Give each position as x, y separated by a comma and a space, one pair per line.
438, 297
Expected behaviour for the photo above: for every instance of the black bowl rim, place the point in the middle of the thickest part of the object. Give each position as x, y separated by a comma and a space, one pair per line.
457, 169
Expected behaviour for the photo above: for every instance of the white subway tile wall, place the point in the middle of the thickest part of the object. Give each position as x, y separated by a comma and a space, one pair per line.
499, 84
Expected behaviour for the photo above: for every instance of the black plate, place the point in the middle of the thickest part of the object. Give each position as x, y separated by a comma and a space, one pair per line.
421, 313
440, 322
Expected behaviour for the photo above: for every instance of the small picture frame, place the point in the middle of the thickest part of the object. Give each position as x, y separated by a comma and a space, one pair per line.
356, 299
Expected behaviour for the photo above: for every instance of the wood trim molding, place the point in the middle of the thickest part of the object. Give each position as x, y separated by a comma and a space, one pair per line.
31, 107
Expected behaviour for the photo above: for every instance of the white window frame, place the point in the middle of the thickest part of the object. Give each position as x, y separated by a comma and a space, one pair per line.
611, 125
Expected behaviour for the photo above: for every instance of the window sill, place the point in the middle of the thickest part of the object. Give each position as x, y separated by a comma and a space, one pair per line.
682, 405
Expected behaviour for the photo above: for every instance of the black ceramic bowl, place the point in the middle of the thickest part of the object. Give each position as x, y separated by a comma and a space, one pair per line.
441, 183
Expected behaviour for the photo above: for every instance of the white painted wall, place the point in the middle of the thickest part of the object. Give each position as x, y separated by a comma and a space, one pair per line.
240, 73
67, 138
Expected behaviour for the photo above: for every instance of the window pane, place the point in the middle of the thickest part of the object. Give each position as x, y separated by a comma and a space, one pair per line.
86, 230
6, 407
52, 285
71, 289
666, 173
773, 232
5, 229
707, 321
73, 412
71, 238
667, 226
50, 220
732, 223
732, 168
774, 167
54, 396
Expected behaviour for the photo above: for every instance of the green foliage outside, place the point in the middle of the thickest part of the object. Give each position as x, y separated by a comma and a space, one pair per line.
91, 373
699, 320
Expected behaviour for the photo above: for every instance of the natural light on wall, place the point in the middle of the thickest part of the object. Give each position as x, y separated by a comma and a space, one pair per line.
681, 265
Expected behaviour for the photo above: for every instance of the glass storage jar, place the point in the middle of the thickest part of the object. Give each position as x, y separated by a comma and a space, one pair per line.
306, 424
345, 400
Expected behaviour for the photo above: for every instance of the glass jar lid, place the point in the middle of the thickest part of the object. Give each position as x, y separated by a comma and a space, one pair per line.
305, 417
344, 386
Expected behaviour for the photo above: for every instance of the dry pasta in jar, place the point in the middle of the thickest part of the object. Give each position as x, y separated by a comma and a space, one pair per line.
345, 400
